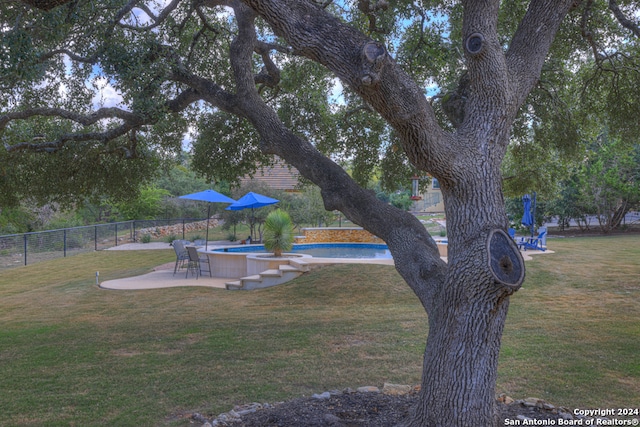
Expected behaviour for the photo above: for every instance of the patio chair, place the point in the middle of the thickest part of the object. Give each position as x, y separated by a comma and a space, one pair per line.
193, 263
197, 262
535, 243
203, 263
181, 253
520, 241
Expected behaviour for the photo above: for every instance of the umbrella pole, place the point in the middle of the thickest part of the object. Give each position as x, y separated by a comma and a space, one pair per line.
533, 216
206, 242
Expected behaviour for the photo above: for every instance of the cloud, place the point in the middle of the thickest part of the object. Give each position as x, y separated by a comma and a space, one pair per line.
105, 95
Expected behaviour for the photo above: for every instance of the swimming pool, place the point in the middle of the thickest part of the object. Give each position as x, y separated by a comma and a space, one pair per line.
326, 250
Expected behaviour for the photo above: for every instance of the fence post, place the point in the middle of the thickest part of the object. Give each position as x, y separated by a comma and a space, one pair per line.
95, 237
25, 249
134, 231
182, 228
116, 234
64, 243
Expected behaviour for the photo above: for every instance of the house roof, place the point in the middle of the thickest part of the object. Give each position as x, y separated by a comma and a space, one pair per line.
280, 176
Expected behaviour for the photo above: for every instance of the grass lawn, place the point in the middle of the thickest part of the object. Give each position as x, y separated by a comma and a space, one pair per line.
73, 354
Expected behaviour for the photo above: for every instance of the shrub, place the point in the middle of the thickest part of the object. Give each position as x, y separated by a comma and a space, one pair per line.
278, 234
146, 238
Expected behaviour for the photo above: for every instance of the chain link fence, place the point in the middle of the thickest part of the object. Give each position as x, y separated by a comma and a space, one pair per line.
29, 248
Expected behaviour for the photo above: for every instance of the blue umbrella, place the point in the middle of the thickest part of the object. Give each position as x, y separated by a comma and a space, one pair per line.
527, 218
211, 197
251, 200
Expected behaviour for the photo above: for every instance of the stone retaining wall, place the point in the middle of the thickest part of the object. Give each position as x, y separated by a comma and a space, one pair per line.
176, 229
337, 234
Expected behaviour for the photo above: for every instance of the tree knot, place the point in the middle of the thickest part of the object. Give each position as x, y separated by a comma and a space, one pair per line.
505, 262
373, 56
474, 44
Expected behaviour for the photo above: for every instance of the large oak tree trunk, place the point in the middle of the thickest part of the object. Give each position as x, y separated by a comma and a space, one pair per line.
467, 317
460, 360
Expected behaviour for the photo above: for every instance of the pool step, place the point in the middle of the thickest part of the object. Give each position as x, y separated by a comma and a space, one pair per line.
269, 278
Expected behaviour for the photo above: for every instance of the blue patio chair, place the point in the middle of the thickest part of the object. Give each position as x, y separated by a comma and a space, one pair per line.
520, 241
535, 243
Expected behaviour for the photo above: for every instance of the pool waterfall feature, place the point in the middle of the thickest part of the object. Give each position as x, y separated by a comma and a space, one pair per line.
337, 235
351, 235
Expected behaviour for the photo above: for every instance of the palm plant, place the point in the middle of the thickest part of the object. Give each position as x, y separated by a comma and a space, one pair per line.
278, 232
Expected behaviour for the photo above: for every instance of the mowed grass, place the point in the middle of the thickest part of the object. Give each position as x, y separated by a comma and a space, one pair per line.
73, 354
573, 332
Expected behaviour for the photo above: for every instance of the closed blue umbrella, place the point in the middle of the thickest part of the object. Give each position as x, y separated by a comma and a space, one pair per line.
211, 197
527, 218
251, 201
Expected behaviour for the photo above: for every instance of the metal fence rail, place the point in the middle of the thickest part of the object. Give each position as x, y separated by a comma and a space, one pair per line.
29, 248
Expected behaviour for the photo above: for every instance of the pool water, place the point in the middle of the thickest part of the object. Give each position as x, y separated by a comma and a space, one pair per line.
328, 250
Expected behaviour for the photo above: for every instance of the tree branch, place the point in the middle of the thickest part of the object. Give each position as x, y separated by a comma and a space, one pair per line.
323, 4
586, 33
157, 20
83, 119
73, 56
46, 5
366, 67
208, 91
132, 122
52, 146
624, 21
369, 10
270, 73
532, 41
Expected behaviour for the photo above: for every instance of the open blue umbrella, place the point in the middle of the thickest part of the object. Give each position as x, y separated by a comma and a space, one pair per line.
527, 218
211, 197
251, 201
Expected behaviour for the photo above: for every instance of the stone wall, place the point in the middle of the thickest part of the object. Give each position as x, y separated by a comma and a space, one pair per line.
176, 229
337, 234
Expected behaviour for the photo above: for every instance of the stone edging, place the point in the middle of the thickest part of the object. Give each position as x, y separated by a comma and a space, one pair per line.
235, 415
